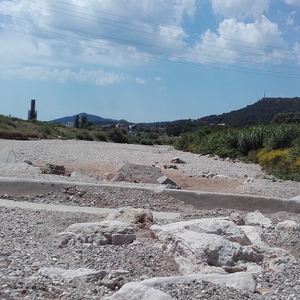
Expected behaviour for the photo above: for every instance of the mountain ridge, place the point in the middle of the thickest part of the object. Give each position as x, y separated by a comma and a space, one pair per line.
261, 112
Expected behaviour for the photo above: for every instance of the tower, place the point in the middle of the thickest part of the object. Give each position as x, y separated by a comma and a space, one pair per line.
32, 113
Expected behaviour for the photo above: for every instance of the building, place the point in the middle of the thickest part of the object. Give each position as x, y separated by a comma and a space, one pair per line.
32, 113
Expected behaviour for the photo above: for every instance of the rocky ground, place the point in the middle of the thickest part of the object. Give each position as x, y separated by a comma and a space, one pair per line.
27, 237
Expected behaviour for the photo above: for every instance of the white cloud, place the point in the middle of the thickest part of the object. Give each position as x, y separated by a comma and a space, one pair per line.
239, 9
140, 80
97, 32
98, 77
293, 2
241, 42
157, 78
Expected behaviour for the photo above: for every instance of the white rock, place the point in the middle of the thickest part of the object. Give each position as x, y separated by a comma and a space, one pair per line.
257, 218
216, 226
103, 227
240, 281
253, 233
138, 291
69, 275
288, 225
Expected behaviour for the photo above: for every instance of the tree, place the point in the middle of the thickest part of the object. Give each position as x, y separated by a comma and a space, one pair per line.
76, 122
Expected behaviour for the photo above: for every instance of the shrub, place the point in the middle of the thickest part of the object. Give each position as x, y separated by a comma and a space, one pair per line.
117, 135
281, 137
146, 141
101, 136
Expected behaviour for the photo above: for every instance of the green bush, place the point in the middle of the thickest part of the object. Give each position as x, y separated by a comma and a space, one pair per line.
146, 141
281, 137
117, 135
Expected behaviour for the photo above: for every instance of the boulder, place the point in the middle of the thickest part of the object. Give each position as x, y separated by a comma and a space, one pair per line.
138, 291
138, 173
288, 225
213, 242
168, 182
216, 226
83, 274
137, 217
257, 218
149, 289
7, 157
98, 233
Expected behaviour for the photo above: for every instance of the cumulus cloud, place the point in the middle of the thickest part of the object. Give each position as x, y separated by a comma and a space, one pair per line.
99, 32
293, 2
241, 42
239, 9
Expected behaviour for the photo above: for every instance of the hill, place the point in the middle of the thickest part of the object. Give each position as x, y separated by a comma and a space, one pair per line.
261, 112
92, 118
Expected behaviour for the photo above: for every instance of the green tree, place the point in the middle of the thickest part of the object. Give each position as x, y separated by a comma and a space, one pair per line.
76, 122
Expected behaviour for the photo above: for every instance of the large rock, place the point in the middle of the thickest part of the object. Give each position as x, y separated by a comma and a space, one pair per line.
148, 289
216, 226
206, 242
137, 217
7, 157
138, 291
97, 233
257, 218
138, 173
84, 274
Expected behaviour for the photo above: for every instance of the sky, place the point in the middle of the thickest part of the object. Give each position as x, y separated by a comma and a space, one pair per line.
146, 60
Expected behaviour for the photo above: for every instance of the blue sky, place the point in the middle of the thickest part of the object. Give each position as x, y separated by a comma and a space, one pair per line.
146, 60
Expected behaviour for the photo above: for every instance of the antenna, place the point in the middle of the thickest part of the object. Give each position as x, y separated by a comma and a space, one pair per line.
265, 94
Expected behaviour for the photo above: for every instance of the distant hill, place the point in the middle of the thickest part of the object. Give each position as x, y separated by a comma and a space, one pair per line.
261, 112
92, 118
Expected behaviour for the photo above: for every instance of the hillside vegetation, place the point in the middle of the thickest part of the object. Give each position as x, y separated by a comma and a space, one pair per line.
14, 128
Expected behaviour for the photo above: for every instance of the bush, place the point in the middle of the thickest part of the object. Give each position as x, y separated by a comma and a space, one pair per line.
146, 141
101, 136
280, 163
117, 135
281, 137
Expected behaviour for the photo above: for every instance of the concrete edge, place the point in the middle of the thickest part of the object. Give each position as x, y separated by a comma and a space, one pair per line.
198, 199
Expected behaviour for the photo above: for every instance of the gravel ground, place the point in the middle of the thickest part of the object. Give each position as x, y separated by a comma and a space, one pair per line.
26, 237
97, 162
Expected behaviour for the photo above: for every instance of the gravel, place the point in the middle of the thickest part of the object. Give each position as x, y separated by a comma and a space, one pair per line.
26, 237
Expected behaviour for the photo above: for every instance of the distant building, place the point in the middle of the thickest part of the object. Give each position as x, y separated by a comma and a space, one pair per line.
32, 113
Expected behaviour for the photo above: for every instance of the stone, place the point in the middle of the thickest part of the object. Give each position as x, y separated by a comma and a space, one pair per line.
63, 238
108, 283
137, 217
7, 157
107, 226
216, 226
240, 281
98, 233
257, 218
288, 225
253, 233
138, 291
167, 181
237, 218
53, 169
70, 275
198, 243
138, 173
122, 239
